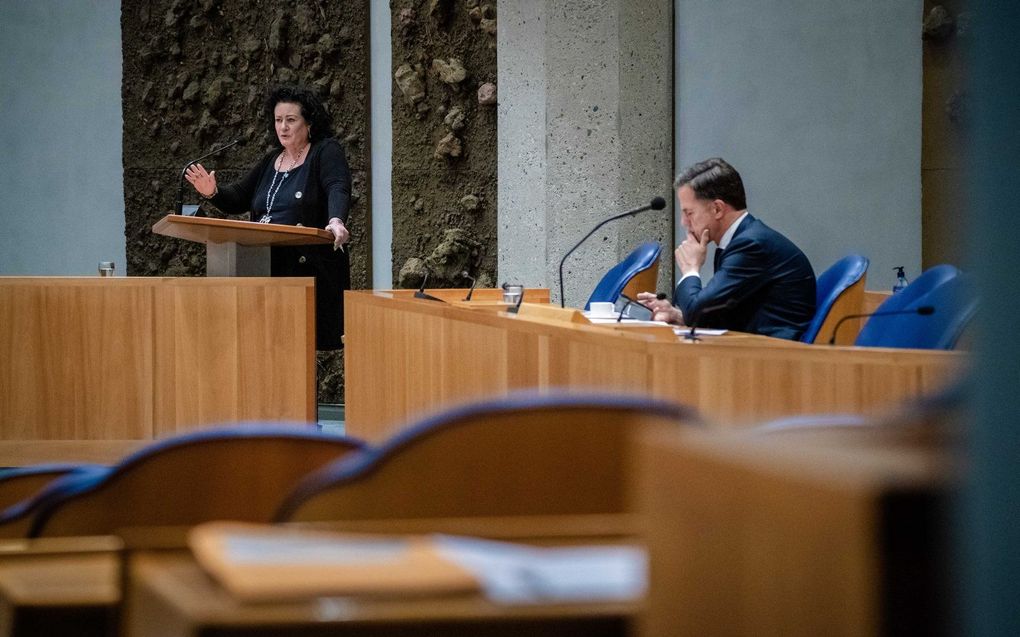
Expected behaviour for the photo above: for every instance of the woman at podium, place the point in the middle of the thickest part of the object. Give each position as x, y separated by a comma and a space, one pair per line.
303, 181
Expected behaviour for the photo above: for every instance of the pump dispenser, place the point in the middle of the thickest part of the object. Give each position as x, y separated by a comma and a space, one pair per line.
901, 280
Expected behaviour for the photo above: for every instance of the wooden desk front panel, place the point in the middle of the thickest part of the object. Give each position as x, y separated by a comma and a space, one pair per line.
748, 384
92, 367
406, 358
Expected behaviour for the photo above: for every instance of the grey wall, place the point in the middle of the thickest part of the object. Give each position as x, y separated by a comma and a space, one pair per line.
382, 147
61, 176
818, 105
584, 118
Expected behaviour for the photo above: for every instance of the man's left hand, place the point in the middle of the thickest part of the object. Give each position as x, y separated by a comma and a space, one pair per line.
690, 255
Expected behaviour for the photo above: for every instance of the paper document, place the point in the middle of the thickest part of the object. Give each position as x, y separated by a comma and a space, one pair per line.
598, 320
262, 562
520, 574
701, 331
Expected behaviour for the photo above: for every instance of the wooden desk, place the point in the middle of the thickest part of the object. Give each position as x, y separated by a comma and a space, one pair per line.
407, 357
170, 595
72, 586
92, 368
55, 587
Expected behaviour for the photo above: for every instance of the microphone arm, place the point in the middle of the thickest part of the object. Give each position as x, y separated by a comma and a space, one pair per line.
657, 203
420, 293
691, 336
623, 310
924, 310
180, 189
473, 281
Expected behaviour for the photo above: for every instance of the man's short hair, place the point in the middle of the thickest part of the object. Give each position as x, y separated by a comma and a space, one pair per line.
714, 179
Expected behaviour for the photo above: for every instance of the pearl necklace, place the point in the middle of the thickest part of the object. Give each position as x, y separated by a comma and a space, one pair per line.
271, 193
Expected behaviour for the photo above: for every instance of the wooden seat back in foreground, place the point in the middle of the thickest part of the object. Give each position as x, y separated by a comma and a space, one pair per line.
24, 489
235, 473
524, 455
21, 483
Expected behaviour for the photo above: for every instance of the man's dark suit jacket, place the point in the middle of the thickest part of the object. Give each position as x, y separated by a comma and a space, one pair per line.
769, 279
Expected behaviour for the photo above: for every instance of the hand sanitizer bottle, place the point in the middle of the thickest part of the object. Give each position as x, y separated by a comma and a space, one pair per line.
901, 280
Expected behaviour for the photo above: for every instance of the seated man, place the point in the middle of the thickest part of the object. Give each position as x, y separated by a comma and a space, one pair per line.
762, 284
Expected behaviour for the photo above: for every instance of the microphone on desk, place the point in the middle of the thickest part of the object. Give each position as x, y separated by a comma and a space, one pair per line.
473, 281
420, 293
658, 203
728, 304
240, 141
623, 310
924, 310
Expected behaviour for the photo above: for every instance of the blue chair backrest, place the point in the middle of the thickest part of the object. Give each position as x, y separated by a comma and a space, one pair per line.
877, 329
611, 286
833, 282
954, 302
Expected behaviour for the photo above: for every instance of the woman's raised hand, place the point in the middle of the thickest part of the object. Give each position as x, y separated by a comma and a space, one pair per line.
204, 182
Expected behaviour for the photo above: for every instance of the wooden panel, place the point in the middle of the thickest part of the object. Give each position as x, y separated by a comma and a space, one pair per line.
782, 536
75, 360
645, 281
90, 365
232, 351
406, 358
874, 298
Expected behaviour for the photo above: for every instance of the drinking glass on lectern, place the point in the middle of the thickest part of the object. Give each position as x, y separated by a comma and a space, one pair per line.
512, 294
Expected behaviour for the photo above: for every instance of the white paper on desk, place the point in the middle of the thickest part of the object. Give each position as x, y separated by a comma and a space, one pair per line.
519, 574
599, 320
700, 331
326, 551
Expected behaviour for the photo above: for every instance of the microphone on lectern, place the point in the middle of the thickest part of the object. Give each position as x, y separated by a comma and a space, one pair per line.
240, 141
420, 293
473, 281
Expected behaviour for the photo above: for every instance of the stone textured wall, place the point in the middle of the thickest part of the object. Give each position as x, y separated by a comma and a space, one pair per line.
946, 32
195, 73
444, 141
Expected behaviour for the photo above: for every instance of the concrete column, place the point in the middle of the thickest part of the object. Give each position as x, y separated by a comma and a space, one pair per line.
585, 131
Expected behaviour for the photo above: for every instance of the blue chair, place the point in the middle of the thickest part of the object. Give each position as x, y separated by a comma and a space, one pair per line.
643, 259
241, 472
875, 330
844, 280
954, 301
527, 454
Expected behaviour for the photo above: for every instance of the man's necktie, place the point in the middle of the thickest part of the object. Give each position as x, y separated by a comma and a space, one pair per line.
717, 259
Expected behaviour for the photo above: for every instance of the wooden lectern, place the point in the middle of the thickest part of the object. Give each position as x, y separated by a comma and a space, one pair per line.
238, 248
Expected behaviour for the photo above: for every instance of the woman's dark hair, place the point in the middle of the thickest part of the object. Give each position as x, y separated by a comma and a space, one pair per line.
312, 110
714, 179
